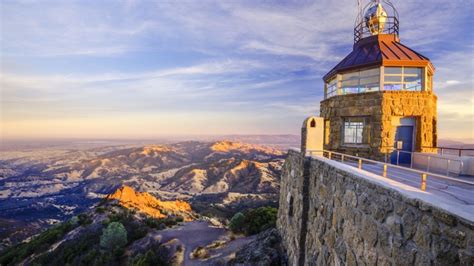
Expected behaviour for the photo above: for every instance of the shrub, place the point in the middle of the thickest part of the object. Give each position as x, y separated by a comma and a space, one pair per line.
254, 221
154, 256
38, 244
237, 223
114, 236
163, 222
74, 220
84, 219
82, 250
100, 209
260, 219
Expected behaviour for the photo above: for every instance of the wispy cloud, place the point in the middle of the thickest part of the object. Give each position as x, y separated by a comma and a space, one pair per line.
77, 59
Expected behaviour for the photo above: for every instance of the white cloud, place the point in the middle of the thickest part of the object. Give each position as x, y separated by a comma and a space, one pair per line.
248, 50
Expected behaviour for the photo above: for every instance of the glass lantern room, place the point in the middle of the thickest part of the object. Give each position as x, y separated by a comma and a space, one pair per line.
379, 61
397, 78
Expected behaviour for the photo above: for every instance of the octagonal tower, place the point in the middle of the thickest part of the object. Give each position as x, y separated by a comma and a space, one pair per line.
380, 98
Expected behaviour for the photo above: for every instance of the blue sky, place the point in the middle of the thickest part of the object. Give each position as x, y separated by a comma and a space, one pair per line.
142, 69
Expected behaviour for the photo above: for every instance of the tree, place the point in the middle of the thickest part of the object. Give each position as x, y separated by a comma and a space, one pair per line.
114, 236
237, 223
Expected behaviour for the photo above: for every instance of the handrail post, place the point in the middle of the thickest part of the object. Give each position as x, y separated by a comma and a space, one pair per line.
385, 170
460, 152
398, 156
360, 163
428, 166
423, 182
329, 155
342, 158
447, 168
411, 160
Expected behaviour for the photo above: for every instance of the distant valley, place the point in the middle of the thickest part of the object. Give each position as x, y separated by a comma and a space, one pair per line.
40, 187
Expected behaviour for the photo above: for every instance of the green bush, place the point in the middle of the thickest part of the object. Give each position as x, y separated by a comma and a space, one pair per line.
163, 222
157, 255
237, 223
100, 209
84, 219
254, 221
78, 251
114, 236
260, 219
40, 243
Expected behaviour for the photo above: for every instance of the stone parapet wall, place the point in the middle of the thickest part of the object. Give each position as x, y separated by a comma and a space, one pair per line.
380, 107
342, 218
291, 205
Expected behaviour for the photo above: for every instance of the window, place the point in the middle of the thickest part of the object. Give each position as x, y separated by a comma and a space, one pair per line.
313, 123
402, 78
332, 88
361, 81
368, 80
355, 130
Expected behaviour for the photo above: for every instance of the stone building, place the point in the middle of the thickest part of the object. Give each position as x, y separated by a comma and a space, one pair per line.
380, 97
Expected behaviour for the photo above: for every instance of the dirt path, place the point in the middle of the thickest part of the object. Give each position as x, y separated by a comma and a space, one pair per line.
200, 234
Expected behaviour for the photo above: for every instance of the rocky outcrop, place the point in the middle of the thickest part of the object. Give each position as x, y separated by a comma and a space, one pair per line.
266, 249
328, 215
147, 204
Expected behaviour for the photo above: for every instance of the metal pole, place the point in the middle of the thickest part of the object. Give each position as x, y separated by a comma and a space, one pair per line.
423, 182
447, 169
398, 156
411, 160
329, 155
460, 152
342, 158
428, 166
360, 163
384, 170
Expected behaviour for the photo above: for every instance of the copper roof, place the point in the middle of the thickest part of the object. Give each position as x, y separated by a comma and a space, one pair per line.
378, 50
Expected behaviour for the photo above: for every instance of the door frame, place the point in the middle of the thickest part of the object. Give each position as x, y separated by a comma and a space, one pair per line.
406, 121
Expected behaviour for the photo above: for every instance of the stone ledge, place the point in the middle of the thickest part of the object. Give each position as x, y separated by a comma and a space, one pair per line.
411, 195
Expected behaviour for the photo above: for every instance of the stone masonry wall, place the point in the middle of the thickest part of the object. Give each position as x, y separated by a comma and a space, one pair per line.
291, 205
343, 219
380, 107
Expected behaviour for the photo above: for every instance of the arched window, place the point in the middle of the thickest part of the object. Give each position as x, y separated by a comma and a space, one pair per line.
313, 123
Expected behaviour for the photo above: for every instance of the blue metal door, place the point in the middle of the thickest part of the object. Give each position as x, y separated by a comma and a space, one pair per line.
403, 142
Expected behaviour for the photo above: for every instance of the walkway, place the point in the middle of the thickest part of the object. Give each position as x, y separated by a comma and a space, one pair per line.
448, 188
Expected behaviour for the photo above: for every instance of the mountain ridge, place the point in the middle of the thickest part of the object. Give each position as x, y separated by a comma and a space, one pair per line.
39, 189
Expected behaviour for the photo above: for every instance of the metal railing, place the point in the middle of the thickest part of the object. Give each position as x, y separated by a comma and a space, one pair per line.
457, 151
385, 167
361, 30
429, 159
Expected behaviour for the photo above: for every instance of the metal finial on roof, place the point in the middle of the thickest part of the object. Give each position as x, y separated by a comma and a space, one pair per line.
374, 19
